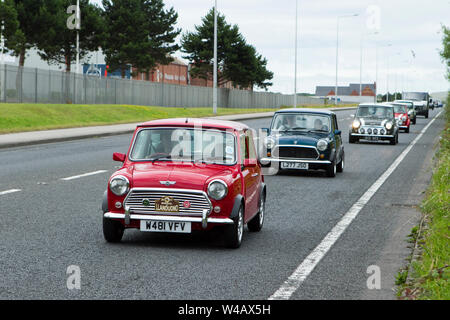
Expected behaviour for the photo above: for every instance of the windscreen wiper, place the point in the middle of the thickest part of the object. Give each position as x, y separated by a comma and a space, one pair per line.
161, 156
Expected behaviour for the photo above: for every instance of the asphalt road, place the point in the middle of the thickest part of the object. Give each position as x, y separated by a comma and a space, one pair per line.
52, 223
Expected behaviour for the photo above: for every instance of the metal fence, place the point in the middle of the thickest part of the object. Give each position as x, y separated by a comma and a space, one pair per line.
32, 85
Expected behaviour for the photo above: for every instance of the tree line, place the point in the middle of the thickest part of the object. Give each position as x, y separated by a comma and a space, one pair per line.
141, 33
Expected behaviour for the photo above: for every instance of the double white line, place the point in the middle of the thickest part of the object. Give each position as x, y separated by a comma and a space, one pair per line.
312, 260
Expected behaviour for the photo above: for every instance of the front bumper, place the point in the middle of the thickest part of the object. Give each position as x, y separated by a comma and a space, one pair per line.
204, 220
295, 160
369, 136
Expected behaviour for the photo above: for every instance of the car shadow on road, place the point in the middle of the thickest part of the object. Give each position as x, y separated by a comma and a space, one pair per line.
210, 239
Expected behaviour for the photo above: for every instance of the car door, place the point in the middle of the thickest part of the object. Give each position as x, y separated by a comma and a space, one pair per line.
250, 174
337, 138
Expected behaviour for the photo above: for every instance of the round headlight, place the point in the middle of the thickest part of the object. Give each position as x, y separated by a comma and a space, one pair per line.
269, 143
322, 145
119, 185
217, 189
388, 125
356, 124
404, 118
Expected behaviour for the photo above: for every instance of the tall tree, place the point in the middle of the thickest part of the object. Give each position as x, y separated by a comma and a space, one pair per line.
140, 33
445, 53
29, 28
10, 22
59, 43
237, 61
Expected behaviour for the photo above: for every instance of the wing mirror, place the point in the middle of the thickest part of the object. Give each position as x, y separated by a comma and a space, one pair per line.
249, 163
338, 132
119, 157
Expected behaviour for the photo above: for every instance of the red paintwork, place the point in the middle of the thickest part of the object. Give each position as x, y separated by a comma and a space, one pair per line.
195, 176
406, 123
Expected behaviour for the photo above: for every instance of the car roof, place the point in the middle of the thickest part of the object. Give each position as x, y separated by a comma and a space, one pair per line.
368, 104
306, 110
195, 122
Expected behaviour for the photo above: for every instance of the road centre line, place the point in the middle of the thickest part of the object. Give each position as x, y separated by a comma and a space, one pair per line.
9, 191
84, 175
296, 279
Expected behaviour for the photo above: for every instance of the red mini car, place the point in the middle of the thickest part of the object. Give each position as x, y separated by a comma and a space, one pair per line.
182, 175
402, 117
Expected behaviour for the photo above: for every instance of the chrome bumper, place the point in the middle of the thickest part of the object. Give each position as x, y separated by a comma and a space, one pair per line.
295, 160
403, 127
204, 220
371, 135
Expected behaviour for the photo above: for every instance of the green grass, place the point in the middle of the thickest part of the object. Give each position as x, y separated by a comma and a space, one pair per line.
32, 117
430, 274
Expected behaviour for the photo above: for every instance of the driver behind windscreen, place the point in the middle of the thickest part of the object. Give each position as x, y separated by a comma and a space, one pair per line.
165, 144
288, 122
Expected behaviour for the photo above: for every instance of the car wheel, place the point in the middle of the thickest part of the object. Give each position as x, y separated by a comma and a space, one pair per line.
331, 169
234, 232
352, 139
256, 224
426, 115
112, 230
341, 165
415, 120
407, 130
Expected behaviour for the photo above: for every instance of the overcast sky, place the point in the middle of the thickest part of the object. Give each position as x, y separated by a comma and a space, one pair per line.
406, 25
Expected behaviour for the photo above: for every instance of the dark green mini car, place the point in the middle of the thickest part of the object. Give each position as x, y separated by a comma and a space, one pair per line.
374, 122
304, 139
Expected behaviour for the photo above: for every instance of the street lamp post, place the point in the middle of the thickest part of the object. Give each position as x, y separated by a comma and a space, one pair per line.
215, 61
337, 53
296, 35
361, 59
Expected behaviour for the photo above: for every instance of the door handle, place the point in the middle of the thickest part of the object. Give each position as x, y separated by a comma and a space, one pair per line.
255, 175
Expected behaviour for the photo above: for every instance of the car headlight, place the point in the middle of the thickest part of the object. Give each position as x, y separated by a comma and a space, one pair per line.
404, 118
269, 143
322, 145
356, 124
119, 185
217, 189
388, 125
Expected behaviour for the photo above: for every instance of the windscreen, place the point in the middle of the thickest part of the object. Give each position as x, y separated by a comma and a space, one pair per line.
182, 144
285, 122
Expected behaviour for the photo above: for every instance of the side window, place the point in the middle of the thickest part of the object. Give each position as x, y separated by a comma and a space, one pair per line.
251, 145
335, 124
244, 149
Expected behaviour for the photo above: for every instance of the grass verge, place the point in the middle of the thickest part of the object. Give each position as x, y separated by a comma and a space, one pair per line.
34, 117
429, 273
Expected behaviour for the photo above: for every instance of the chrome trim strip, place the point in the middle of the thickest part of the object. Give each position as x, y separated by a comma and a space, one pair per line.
296, 160
111, 215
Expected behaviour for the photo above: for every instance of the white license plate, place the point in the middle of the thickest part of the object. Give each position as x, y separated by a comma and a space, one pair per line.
295, 165
165, 226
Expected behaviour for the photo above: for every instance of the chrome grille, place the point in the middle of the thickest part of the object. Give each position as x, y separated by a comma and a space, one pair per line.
198, 200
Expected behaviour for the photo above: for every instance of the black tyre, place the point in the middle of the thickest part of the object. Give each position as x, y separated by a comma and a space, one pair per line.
256, 224
233, 233
341, 165
112, 230
352, 139
426, 115
415, 120
331, 169
407, 130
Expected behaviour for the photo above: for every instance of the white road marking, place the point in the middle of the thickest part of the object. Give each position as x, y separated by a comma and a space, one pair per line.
312, 260
9, 191
84, 175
